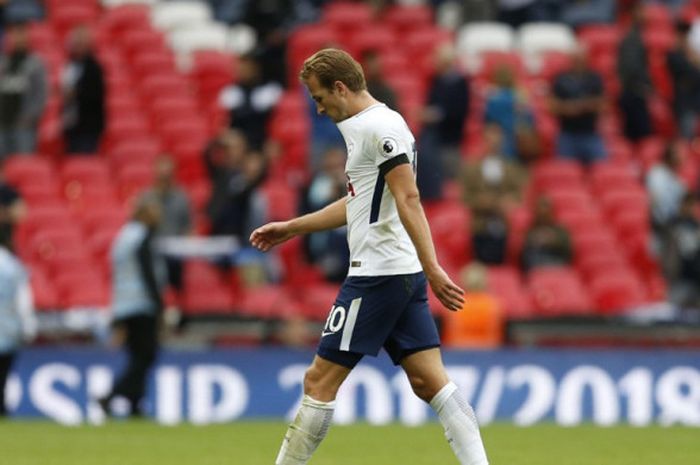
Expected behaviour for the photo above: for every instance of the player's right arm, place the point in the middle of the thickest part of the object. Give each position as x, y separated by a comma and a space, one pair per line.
330, 217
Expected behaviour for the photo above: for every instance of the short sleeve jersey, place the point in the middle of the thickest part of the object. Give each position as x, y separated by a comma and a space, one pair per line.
377, 140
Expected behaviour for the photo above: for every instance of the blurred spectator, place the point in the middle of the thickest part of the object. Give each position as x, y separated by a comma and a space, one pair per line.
2, 18
666, 188
23, 93
84, 90
577, 99
324, 135
547, 243
138, 277
12, 207
694, 36
581, 12
250, 100
236, 173
328, 249
508, 107
480, 323
176, 217
17, 320
376, 85
443, 117
272, 21
684, 67
493, 174
633, 73
516, 12
489, 230
685, 235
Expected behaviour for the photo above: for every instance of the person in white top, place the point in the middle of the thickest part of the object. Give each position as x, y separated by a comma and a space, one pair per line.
17, 320
383, 302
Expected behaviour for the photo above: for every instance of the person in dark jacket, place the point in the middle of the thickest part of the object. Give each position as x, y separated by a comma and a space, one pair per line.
633, 72
23, 93
444, 116
83, 95
684, 68
138, 277
236, 173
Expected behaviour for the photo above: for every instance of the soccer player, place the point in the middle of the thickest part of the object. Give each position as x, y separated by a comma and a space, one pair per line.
383, 302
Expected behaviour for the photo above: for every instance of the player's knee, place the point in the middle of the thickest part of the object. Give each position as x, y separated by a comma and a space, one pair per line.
423, 387
316, 385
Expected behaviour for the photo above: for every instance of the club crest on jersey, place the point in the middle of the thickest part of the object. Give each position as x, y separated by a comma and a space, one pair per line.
388, 146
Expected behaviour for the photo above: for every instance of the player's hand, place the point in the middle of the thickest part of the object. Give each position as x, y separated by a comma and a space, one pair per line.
269, 235
449, 294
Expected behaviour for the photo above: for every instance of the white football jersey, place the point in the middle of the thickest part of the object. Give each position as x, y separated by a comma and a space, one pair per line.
379, 244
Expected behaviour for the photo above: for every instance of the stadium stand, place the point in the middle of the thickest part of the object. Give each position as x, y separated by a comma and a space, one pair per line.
167, 61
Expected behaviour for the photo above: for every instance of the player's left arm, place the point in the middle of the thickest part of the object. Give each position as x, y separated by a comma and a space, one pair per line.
402, 184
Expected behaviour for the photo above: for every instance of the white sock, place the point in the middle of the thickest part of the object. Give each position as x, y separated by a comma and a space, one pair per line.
306, 432
461, 428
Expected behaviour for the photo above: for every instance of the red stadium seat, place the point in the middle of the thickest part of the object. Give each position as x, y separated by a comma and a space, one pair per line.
616, 201
552, 174
657, 16
42, 36
371, 39
450, 226
594, 241
134, 179
570, 199
491, 61
29, 169
206, 290
505, 283
577, 221
316, 300
606, 176
346, 16
50, 245
138, 40
172, 108
558, 291
266, 302
79, 290
69, 16
125, 129
281, 201
594, 263
188, 130
163, 85
125, 17
143, 151
150, 62
43, 291
303, 42
40, 194
40, 218
93, 196
405, 18
616, 292
600, 38
78, 173
553, 63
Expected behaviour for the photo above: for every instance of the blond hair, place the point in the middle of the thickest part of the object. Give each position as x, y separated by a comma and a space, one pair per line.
330, 65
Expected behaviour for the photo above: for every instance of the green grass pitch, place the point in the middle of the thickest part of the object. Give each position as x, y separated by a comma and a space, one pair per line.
256, 443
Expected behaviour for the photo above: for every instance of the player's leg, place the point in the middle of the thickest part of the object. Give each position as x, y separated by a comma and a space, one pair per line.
429, 381
5, 365
321, 383
414, 343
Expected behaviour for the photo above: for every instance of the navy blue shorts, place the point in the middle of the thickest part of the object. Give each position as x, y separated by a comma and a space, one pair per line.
380, 311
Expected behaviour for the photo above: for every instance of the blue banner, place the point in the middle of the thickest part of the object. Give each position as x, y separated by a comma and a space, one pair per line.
524, 387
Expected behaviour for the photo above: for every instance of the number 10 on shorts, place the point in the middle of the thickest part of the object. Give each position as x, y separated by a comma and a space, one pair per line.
345, 319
